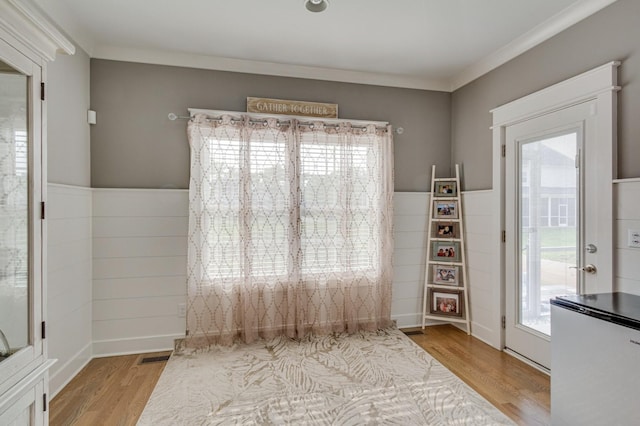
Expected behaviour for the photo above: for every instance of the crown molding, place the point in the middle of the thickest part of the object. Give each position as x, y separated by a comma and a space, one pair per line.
554, 25
59, 13
20, 14
161, 57
23, 21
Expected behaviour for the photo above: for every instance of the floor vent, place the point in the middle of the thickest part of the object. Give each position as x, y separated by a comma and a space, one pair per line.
412, 332
155, 359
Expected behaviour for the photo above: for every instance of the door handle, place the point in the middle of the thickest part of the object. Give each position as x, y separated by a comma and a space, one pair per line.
589, 269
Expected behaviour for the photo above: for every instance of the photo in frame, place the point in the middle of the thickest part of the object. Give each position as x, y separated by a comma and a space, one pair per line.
446, 275
445, 209
445, 230
446, 302
445, 251
446, 189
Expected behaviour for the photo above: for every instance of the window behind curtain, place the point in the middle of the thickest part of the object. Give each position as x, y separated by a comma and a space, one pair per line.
290, 228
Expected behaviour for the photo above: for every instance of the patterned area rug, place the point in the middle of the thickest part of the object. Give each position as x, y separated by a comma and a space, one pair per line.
365, 378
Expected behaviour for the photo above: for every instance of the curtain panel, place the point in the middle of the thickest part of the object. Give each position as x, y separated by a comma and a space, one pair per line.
290, 229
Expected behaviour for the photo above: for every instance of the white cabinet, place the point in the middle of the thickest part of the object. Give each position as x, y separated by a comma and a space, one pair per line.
27, 42
595, 358
25, 403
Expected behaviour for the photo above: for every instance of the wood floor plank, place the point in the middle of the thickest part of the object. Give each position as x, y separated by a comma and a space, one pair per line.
517, 389
114, 391
108, 391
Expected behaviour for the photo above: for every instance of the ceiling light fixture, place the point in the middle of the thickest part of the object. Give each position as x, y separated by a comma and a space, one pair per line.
316, 5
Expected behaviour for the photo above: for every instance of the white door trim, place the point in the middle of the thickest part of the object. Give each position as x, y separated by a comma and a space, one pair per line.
599, 84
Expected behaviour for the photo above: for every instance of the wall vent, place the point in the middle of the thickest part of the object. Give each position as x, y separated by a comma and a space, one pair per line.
155, 359
412, 332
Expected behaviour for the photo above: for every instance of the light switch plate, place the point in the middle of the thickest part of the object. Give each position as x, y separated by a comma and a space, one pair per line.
634, 238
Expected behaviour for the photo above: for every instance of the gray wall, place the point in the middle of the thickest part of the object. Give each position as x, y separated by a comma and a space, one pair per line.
68, 157
611, 34
135, 145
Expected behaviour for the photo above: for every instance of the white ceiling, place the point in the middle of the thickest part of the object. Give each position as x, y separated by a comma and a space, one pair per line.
427, 44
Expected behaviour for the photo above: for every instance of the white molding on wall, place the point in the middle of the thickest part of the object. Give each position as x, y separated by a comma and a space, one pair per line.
59, 12
410, 210
410, 203
598, 84
135, 345
31, 28
67, 186
407, 320
627, 180
69, 216
180, 59
589, 85
556, 24
138, 270
551, 27
154, 190
484, 334
70, 369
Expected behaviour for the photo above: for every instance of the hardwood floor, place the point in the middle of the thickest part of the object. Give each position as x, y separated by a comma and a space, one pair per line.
114, 391
516, 389
108, 391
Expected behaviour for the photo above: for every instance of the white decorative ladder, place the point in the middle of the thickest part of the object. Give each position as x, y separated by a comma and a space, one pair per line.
446, 294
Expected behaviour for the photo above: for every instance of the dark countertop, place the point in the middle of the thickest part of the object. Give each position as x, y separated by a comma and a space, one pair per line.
618, 308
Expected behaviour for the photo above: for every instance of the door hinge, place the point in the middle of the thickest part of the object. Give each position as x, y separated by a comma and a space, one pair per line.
43, 327
44, 402
503, 236
42, 208
504, 322
42, 91
504, 151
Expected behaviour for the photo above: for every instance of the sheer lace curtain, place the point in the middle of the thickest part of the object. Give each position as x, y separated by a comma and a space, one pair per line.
290, 228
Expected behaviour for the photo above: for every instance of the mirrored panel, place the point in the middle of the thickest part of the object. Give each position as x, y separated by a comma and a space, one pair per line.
14, 211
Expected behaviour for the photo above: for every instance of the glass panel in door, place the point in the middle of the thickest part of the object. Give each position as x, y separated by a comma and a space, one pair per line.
548, 199
14, 212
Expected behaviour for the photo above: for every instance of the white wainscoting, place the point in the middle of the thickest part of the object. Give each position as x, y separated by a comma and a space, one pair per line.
135, 256
484, 283
139, 265
627, 267
410, 238
410, 233
139, 269
69, 302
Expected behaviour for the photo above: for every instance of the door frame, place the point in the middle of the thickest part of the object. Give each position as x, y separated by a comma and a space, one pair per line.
599, 84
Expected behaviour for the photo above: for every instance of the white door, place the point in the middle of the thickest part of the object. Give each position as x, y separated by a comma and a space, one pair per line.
548, 245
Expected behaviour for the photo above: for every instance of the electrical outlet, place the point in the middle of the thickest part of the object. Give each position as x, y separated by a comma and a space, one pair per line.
182, 310
634, 238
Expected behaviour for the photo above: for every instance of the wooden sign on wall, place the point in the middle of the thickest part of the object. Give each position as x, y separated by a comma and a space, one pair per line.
280, 106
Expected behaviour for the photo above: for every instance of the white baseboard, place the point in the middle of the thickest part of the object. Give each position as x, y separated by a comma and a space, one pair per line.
138, 345
407, 320
527, 361
486, 335
59, 379
414, 320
